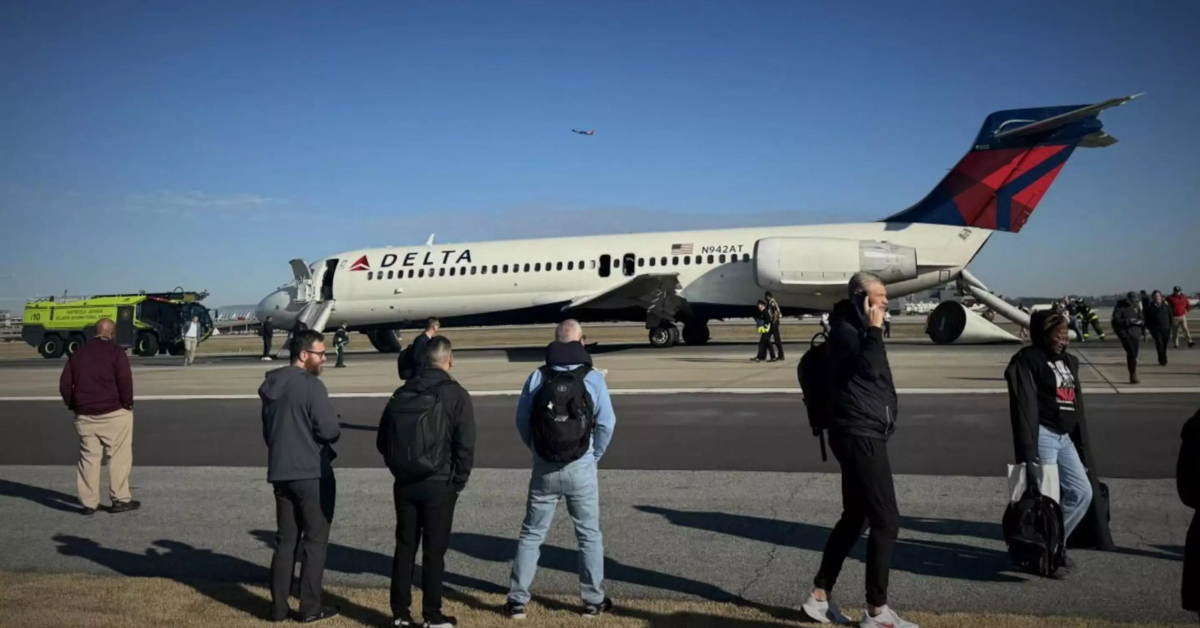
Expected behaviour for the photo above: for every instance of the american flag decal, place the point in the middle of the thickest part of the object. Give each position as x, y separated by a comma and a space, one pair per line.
681, 249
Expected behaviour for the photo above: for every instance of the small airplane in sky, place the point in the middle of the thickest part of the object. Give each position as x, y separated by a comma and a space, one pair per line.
592, 132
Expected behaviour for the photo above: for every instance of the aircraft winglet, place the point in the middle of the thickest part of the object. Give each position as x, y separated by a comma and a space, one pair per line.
429, 242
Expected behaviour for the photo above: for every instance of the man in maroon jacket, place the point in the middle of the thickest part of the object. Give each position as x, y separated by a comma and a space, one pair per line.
97, 386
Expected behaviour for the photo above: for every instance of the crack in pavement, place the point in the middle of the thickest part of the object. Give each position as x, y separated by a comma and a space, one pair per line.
776, 545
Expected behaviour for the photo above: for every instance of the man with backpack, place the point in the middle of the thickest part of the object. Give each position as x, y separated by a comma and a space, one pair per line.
411, 362
859, 411
427, 439
566, 418
775, 315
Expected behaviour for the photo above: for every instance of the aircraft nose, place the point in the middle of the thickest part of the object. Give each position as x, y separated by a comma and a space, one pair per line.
275, 304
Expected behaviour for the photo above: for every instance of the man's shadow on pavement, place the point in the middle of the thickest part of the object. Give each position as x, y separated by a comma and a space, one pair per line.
205, 571
920, 557
51, 499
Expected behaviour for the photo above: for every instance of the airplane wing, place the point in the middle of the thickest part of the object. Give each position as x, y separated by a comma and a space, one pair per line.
658, 294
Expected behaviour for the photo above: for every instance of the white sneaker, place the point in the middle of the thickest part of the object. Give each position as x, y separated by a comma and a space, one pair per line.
823, 612
887, 618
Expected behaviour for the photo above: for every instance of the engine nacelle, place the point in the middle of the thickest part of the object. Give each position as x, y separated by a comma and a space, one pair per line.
952, 323
791, 264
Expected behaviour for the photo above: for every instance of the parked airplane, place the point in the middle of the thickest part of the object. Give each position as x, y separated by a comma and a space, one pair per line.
693, 277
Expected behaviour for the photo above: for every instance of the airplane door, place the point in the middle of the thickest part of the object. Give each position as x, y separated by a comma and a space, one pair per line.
124, 325
605, 260
327, 280
629, 265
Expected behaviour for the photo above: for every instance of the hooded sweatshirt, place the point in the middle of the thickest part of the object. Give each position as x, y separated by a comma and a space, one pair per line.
568, 356
1126, 318
299, 425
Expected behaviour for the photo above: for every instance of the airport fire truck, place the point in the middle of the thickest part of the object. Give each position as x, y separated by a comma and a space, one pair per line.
149, 323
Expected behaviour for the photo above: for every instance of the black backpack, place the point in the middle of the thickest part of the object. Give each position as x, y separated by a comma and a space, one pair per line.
417, 442
1033, 530
562, 418
813, 373
404, 363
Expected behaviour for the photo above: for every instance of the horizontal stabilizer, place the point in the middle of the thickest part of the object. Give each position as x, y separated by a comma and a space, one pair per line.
1059, 121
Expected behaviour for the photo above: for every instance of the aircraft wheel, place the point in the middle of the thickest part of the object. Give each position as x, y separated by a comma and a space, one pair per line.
662, 337
696, 333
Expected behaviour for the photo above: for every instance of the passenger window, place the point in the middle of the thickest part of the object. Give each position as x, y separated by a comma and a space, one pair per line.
506, 269
674, 261
537, 268
687, 260
570, 265
641, 262
370, 275
494, 269
746, 257
710, 259
722, 258
664, 261
558, 266
451, 271
410, 273
421, 273
527, 268
442, 272
581, 265
652, 260
389, 274
473, 270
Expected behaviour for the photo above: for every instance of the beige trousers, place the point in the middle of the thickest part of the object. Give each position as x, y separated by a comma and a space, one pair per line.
1180, 323
189, 350
105, 435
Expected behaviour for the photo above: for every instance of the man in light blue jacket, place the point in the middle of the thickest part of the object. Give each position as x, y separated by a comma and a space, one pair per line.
573, 476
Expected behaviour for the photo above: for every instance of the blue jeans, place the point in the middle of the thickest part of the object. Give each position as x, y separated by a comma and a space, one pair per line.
549, 483
1076, 489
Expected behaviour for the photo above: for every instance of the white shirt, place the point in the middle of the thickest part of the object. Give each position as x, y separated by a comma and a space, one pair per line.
193, 330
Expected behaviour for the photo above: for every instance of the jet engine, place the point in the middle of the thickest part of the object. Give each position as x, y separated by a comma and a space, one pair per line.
952, 323
792, 264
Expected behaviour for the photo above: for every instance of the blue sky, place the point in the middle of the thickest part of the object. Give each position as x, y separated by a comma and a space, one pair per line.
153, 144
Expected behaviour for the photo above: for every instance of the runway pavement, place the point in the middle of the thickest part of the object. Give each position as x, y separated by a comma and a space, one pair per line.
969, 435
720, 495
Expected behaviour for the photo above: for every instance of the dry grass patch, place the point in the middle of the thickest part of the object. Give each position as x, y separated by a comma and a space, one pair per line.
84, 601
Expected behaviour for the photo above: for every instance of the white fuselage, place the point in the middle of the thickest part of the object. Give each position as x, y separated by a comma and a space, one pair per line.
524, 281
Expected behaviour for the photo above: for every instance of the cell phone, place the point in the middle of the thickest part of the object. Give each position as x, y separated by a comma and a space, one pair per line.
861, 300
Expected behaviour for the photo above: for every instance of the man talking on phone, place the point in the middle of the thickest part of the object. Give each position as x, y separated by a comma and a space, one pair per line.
863, 417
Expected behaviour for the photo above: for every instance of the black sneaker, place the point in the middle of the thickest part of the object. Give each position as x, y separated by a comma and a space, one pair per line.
596, 610
513, 610
87, 512
404, 620
117, 507
325, 613
437, 620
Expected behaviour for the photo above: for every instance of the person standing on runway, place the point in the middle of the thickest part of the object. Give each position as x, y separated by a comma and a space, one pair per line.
427, 439
341, 338
863, 416
300, 428
1158, 322
267, 331
775, 314
1180, 306
1187, 481
764, 327
97, 385
191, 340
1127, 323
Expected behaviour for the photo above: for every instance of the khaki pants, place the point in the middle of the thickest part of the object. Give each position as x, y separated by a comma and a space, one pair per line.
189, 350
105, 435
1178, 323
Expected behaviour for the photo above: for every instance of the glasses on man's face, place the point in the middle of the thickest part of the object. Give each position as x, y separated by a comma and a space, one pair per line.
320, 353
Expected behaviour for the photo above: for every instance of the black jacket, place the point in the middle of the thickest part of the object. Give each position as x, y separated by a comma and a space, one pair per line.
1126, 318
863, 401
1158, 316
299, 425
1093, 531
415, 357
267, 330
1187, 478
459, 413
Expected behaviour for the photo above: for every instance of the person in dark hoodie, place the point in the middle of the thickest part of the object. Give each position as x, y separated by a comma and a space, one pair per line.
575, 480
863, 417
300, 427
1187, 480
1127, 323
411, 362
425, 504
1158, 323
1049, 426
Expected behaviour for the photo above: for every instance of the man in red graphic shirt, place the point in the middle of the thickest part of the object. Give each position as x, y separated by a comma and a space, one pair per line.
97, 385
1180, 306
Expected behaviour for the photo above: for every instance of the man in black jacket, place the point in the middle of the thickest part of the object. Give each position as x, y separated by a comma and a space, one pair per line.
1187, 479
411, 362
425, 505
300, 427
1158, 323
1128, 324
863, 409
267, 331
